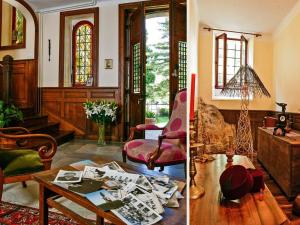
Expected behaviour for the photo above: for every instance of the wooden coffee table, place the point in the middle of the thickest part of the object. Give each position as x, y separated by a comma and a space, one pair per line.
49, 192
249, 210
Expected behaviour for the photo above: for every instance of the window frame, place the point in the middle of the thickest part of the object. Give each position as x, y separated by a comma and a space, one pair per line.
63, 16
225, 37
14, 25
74, 48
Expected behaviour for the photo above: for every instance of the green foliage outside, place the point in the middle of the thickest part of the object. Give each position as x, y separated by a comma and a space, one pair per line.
9, 114
150, 114
157, 69
164, 112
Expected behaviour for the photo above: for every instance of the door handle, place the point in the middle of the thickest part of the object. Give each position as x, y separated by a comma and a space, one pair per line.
140, 100
175, 73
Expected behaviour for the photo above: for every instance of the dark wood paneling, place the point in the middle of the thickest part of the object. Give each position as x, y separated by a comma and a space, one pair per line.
65, 105
24, 83
256, 118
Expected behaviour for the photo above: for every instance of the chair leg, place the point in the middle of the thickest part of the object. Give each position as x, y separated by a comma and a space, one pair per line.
1, 184
161, 168
24, 184
185, 171
124, 156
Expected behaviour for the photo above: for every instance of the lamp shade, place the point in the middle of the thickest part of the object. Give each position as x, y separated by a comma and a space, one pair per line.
246, 77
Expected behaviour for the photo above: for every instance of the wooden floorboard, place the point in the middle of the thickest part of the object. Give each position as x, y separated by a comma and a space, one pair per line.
282, 200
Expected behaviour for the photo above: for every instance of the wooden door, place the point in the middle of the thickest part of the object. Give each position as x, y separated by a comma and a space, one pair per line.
137, 67
178, 47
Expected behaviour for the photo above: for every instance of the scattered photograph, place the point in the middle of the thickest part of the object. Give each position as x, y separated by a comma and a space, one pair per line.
135, 212
122, 178
65, 176
100, 197
144, 183
104, 200
115, 166
95, 173
86, 186
134, 198
81, 164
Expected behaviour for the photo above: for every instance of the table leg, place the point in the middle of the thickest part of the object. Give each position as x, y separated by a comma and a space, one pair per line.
44, 195
99, 220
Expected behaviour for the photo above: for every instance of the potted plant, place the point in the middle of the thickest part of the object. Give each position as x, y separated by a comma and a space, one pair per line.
102, 113
150, 117
9, 114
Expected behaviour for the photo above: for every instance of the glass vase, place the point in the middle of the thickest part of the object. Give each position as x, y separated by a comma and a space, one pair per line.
101, 134
230, 150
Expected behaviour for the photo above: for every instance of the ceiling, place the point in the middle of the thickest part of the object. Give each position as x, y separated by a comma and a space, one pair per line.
44, 5
261, 16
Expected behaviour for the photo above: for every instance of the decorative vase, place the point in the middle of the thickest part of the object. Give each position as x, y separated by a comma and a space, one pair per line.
101, 134
230, 150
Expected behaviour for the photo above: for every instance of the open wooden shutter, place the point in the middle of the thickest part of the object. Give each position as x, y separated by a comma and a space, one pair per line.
220, 61
178, 54
244, 52
137, 66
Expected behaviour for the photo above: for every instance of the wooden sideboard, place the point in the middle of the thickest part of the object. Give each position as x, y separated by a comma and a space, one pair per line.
281, 158
249, 210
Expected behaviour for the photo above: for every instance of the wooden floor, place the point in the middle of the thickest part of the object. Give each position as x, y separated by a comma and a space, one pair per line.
282, 200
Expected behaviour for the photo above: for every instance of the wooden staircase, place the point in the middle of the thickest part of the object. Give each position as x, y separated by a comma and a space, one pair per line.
39, 124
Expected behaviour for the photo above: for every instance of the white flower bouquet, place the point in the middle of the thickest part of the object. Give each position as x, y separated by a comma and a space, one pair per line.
101, 112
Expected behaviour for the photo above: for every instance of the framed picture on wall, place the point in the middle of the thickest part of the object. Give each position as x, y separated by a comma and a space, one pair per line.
89, 82
108, 63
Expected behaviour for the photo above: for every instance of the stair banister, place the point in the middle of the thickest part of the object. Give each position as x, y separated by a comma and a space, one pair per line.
7, 70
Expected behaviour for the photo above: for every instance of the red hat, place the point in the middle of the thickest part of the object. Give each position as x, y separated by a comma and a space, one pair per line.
258, 180
236, 182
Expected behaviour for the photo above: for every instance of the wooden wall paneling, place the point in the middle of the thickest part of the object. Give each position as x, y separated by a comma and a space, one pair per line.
256, 118
24, 83
70, 112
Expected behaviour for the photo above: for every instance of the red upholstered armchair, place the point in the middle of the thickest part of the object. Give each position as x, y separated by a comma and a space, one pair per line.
170, 148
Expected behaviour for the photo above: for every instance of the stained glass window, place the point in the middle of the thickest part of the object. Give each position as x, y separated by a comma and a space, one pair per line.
182, 69
82, 53
18, 26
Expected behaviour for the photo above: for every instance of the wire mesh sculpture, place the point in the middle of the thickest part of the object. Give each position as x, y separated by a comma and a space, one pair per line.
244, 84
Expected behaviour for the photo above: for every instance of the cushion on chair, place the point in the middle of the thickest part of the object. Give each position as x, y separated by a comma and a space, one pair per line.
18, 162
141, 149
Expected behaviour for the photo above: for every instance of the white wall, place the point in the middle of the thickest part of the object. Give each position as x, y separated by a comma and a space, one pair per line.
192, 44
28, 52
108, 45
48, 72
